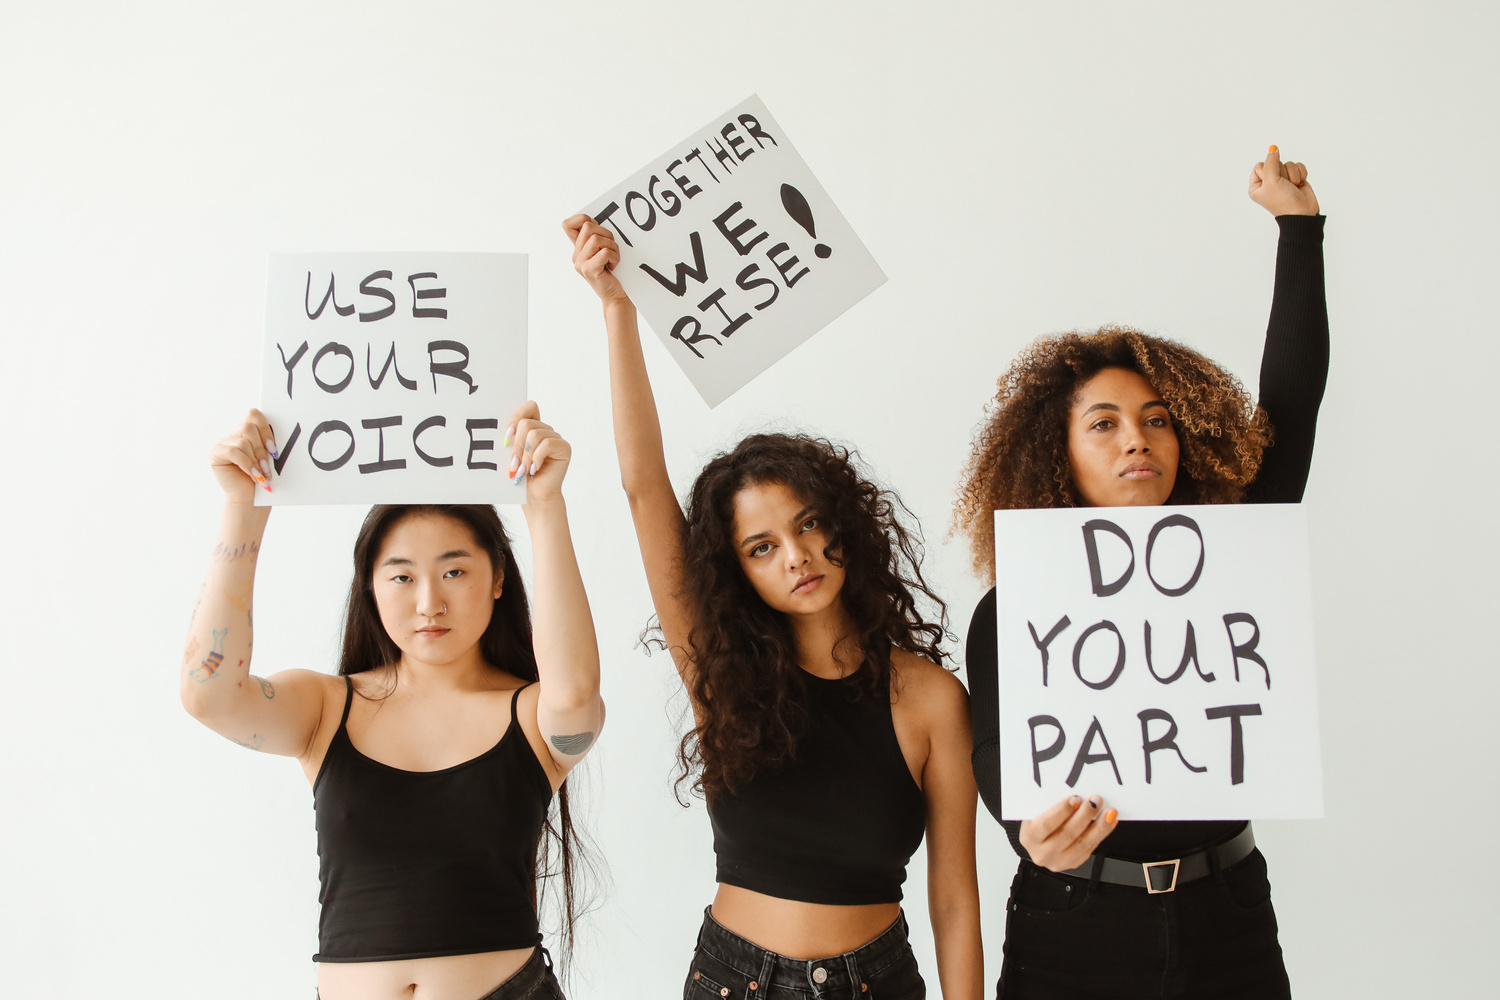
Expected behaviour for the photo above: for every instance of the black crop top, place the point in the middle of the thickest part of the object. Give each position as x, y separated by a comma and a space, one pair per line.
1293, 375
837, 824
417, 864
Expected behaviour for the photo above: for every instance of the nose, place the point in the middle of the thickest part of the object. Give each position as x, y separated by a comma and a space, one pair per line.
429, 604
1135, 441
796, 554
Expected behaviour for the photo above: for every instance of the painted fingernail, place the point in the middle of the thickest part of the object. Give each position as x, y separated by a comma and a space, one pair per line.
265, 466
275, 453
266, 487
510, 432
1109, 816
1075, 800
515, 460
1094, 801
533, 468
516, 479
255, 474
1271, 150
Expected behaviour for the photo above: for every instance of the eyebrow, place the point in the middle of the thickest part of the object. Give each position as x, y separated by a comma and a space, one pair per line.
800, 516
1112, 406
450, 554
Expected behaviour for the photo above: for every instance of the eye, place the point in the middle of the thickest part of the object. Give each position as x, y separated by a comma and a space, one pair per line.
401, 578
453, 574
1103, 424
760, 550
1158, 422
811, 524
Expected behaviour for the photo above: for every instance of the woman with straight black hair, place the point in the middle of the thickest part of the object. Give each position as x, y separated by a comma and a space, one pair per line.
434, 756
1102, 906
827, 739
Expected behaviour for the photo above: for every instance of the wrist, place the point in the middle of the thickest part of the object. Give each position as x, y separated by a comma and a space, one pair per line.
618, 304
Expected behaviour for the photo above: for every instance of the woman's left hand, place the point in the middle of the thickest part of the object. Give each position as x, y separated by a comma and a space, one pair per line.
537, 452
1282, 188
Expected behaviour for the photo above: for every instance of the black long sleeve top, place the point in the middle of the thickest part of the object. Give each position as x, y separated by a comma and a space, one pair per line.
1293, 374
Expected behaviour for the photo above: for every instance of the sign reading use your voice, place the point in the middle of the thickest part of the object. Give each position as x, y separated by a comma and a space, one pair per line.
1161, 657
391, 377
732, 250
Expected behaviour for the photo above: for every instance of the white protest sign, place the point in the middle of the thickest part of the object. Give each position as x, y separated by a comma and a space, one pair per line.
391, 377
1161, 657
732, 250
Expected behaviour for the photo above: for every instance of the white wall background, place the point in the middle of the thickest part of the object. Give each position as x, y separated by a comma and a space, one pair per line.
1015, 168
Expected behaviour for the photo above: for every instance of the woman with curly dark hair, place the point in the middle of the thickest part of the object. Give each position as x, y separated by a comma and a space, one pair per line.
1119, 418
827, 740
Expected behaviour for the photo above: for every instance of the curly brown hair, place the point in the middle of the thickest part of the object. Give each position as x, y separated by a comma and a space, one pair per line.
1020, 454
746, 686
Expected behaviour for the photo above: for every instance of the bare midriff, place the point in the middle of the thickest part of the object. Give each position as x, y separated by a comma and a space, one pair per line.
801, 930
449, 977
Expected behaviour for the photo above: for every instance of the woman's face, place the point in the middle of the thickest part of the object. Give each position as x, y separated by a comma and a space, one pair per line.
1121, 445
780, 542
426, 563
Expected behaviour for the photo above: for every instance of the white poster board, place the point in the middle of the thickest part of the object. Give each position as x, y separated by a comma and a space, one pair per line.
391, 377
732, 250
1161, 657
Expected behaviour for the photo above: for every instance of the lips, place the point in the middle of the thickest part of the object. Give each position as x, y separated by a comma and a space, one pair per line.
1140, 470
432, 633
807, 584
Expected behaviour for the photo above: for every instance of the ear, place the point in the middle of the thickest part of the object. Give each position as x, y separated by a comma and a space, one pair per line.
499, 583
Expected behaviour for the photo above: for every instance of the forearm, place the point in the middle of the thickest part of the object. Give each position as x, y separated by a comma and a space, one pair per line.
216, 661
567, 651
960, 952
638, 442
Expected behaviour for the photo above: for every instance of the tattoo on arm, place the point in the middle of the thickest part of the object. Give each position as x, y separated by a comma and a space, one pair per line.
573, 745
225, 553
210, 664
267, 688
256, 742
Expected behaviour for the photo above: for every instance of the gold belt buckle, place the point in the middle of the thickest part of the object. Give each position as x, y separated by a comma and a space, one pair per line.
1146, 867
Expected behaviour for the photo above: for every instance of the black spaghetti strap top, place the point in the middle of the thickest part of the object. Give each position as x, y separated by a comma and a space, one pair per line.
839, 822
417, 864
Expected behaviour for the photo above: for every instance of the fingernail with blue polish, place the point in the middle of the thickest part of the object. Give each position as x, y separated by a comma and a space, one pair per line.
271, 447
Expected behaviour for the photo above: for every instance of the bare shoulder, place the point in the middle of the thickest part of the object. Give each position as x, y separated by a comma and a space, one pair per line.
931, 689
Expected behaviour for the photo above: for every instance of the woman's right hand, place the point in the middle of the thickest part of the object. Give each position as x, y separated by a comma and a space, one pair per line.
1064, 836
595, 253
242, 460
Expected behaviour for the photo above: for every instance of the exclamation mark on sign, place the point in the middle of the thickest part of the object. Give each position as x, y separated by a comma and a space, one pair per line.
797, 207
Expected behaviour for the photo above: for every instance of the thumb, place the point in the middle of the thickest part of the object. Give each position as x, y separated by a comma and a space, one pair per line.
1273, 166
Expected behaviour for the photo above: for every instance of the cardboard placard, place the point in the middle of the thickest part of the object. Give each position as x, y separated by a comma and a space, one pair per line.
1161, 657
391, 377
732, 250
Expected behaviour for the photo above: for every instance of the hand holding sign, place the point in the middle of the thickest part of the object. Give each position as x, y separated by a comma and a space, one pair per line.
538, 453
1282, 188
1064, 836
242, 460
595, 253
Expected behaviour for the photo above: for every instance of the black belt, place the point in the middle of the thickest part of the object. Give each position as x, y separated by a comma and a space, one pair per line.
1164, 876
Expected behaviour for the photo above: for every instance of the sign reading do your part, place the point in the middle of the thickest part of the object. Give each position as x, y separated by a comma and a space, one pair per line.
733, 251
1161, 657
390, 378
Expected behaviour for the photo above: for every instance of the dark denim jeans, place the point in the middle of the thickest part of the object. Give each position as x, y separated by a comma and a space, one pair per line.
1211, 939
726, 965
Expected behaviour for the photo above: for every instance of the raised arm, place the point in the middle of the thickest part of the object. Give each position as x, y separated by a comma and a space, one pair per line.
569, 711
278, 715
659, 525
1294, 367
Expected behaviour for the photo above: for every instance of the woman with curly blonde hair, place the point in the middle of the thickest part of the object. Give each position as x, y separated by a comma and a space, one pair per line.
1119, 418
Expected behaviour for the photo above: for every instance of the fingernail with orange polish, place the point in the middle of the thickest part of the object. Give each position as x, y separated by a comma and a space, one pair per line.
1075, 801
1271, 150
1109, 816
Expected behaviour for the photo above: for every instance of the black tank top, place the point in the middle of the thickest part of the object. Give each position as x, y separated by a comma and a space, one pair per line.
838, 823
416, 864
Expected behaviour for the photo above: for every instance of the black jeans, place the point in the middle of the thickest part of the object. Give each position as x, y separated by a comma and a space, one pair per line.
1212, 938
726, 965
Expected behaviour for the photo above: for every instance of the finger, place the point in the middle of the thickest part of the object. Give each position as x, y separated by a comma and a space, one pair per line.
258, 420
1273, 165
535, 435
1078, 823
551, 449
239, 455
1047, 823
527, 410
1296, 173
573, 223
602, 261
597, 242
1097, 831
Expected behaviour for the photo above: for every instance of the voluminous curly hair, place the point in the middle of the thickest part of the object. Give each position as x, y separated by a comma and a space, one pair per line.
747, 687
1020, 454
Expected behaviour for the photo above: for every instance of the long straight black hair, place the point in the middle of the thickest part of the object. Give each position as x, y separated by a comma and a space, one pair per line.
505, 644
